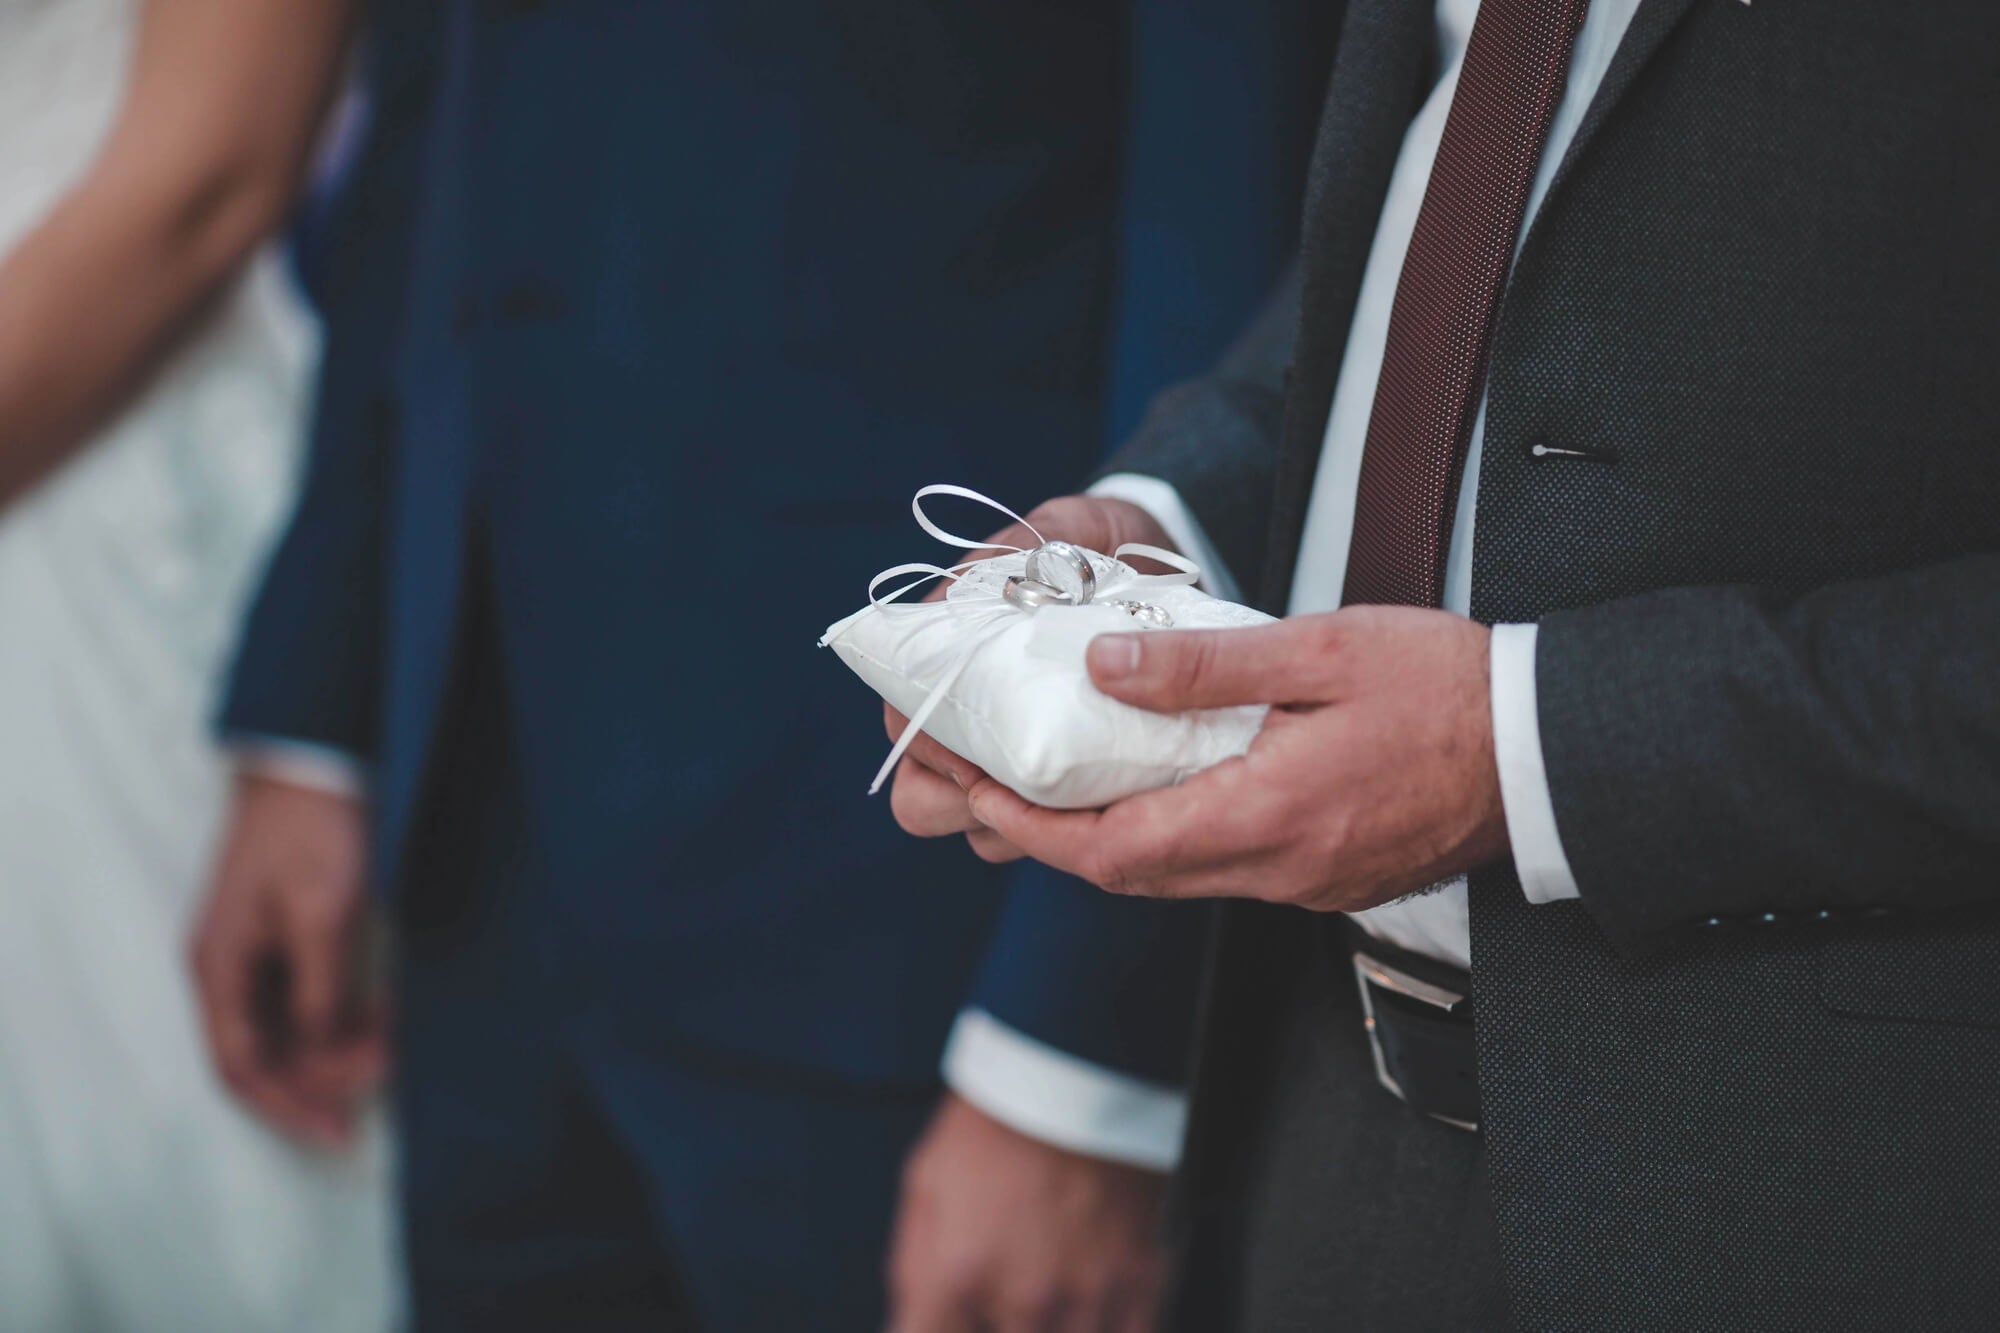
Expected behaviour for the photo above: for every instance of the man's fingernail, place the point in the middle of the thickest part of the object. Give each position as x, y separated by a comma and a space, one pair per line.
1114, 656
972, 806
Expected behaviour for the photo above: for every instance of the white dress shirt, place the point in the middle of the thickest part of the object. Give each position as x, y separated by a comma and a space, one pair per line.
1432, 923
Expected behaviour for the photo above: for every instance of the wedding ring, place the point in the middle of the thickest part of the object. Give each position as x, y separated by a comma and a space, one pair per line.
1064, 567
1031, 594
1153, 617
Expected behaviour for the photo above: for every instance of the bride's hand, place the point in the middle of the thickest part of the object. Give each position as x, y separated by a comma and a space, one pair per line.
931, 782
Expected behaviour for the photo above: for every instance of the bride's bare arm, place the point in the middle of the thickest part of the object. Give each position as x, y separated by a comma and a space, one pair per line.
220, 115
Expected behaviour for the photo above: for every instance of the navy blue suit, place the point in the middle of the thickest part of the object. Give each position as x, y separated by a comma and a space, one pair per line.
646, 320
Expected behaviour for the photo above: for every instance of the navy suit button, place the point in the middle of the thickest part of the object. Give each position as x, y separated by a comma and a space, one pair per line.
465, 313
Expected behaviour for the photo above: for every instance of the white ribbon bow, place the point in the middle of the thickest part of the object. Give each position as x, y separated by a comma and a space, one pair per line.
988, 611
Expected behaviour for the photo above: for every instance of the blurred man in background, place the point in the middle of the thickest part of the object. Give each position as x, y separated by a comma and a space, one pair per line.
647, 321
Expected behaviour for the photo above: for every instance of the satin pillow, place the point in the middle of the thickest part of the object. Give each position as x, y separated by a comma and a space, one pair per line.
1015, 698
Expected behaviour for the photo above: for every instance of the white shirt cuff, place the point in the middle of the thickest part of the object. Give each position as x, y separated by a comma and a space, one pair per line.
318, 768
1164, 503
1051, 1095
1524, 782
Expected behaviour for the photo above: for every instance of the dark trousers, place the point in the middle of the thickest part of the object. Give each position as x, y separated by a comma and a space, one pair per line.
564, 1165
1315, 1199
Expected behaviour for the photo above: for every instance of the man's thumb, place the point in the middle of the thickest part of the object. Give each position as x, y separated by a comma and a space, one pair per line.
1181, 669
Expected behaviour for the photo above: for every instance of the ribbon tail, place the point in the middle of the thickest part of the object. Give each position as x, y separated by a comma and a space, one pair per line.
921, 716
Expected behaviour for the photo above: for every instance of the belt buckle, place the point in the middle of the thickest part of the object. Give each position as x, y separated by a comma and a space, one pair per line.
1370, 973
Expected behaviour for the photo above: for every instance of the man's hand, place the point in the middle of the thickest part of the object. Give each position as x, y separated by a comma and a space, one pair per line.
1373, 777
998, 1231
274, 956
929, 798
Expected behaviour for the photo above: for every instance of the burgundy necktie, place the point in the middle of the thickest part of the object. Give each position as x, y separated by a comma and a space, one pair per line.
1434, 368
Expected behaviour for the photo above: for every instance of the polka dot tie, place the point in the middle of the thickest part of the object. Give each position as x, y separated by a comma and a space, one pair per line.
1440, 326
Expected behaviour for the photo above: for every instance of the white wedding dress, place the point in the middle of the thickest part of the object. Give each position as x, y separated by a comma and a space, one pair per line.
135, 1194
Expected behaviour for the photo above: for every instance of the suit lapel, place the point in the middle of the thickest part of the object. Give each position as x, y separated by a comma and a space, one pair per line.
1651, 25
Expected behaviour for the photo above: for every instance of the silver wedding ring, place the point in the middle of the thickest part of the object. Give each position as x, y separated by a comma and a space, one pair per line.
1065, 568
1032, 594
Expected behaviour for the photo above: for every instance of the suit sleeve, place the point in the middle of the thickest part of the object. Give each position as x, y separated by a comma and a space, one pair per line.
1215, 439
1092, 997
1128, 970
1078, 1028
1725, 752
307, 666
308, 663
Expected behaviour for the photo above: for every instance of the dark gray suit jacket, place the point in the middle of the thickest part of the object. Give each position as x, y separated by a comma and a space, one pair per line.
1752, 1078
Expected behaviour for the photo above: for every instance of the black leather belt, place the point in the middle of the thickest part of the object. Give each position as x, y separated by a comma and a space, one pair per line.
1418, 1013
